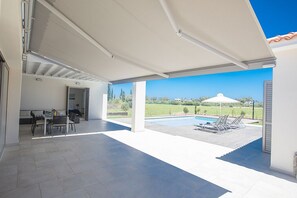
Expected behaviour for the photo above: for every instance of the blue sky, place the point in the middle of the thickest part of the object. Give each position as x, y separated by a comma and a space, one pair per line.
276, 18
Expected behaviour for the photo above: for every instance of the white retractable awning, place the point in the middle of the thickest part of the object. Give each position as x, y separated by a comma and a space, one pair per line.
130, 40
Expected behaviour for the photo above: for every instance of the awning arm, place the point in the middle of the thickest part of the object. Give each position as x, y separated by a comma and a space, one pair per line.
93, 41
196, 41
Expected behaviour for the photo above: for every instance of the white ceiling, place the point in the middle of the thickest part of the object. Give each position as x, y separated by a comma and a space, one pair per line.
139, 31
41, 67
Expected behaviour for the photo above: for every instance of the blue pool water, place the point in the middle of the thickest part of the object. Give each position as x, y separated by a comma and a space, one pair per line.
181, 121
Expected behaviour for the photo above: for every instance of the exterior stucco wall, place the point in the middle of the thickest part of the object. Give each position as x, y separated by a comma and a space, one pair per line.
51, 93
11, 49
284, 117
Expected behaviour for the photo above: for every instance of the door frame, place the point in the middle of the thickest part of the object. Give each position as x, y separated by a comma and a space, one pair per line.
4, 65
86, 98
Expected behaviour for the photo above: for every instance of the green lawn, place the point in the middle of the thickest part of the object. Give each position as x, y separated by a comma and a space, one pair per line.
163, 109
153, 110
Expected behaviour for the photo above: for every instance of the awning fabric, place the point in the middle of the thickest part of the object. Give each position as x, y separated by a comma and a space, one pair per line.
139, 30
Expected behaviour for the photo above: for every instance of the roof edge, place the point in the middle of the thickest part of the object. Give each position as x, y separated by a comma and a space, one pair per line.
282, 38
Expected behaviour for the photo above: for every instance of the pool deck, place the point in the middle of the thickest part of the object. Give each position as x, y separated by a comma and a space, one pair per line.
231, 139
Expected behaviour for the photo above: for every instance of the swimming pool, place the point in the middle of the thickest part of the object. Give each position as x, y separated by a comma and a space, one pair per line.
181, 121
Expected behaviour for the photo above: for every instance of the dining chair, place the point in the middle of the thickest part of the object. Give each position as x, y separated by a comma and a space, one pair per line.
59, 122
35, 123
72, 120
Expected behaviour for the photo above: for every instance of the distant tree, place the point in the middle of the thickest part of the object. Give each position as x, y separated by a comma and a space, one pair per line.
200, 99
197, 110
242, 113
125, 106
109, 97
186, 110
185, 102
245, 101
123, 96
130, 104
163, 100
173, 102
154, 99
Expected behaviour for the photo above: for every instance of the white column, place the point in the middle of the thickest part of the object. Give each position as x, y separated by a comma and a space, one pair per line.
11, 49
104, 107
138, 106
13, 105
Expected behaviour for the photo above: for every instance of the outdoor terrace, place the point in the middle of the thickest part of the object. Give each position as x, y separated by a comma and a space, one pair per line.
118, 163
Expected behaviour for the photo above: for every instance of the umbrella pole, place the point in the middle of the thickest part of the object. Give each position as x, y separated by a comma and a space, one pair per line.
220, 108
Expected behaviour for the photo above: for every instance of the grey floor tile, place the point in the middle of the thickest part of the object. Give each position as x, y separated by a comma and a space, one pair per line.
36, 176
83, 166
88, 178
63, 171
51, 188
95, 191
8, 183
6, 171
72, 183
27, 192
77, 194
26, 167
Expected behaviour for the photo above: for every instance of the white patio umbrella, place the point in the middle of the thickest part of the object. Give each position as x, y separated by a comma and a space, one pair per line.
220, 98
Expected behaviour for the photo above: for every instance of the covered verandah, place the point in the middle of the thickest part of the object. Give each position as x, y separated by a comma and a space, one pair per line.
124, 164
117, 42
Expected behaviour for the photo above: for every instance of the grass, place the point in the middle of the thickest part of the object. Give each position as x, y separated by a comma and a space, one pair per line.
163, 110
154, 110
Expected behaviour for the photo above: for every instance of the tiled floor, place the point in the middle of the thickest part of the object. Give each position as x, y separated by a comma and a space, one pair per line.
119, 163
244, 172
92, 166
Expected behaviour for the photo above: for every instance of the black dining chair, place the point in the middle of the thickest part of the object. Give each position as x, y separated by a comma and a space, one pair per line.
59, 122
73, 118
35, 122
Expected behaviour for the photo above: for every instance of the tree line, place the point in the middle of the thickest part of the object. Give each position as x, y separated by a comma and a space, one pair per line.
124, 100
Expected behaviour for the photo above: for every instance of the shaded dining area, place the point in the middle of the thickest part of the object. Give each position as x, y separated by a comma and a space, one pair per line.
82, 128
58, 106
52, 121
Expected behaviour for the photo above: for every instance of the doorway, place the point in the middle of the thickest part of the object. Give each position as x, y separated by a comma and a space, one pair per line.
78, 101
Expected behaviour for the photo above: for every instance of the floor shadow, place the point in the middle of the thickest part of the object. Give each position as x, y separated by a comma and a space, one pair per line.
141, 175
97, 126
82, 127
252, 157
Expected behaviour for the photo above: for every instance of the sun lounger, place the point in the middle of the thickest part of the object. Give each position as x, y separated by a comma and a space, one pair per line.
217, 126
236, 123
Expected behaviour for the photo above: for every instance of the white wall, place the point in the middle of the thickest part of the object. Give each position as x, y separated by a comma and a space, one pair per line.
11, 48
51, 93
284, 110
